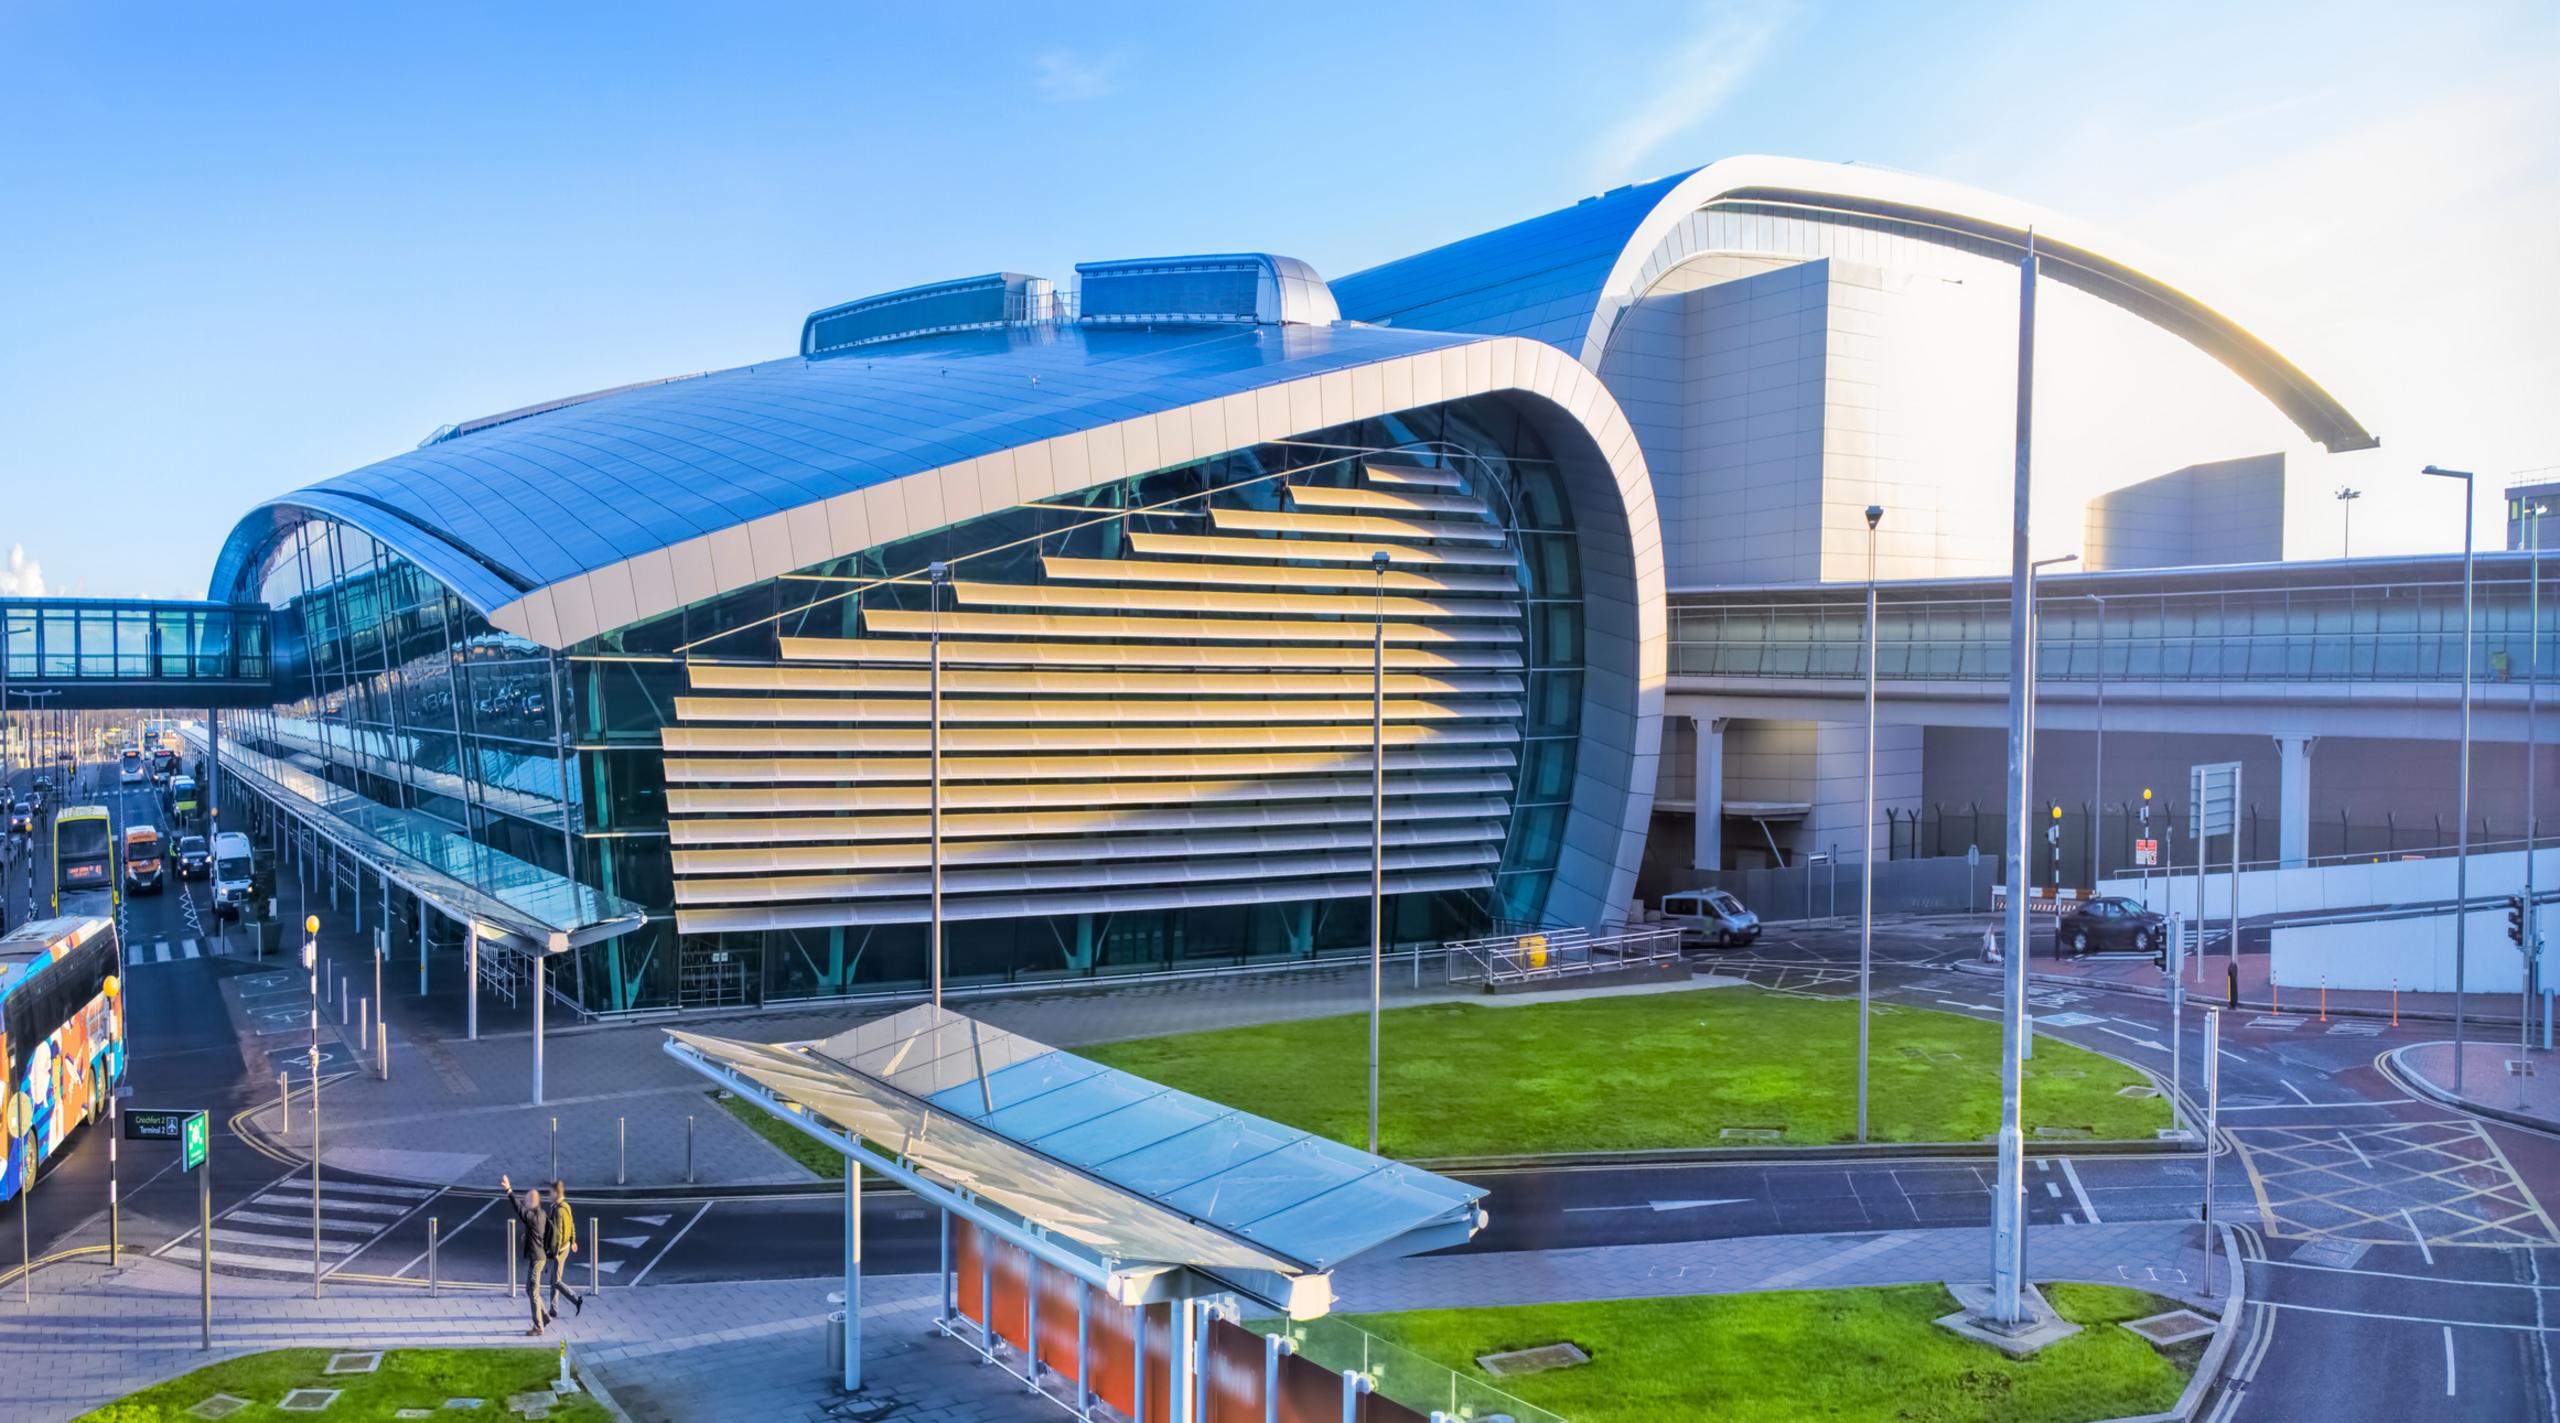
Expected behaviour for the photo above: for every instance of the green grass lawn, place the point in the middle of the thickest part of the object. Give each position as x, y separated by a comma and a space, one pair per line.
408, 1378
1652, 1070
813, 1155
1811, 1354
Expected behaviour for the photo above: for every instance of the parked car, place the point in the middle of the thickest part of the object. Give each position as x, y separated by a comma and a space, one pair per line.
2109, 923
194, 857
1711, 916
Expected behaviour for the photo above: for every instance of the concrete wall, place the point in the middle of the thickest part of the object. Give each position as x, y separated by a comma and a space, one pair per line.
2355, 886
1820, 764
2414, 955
2228, 511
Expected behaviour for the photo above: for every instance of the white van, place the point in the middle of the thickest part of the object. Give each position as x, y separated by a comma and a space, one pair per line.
1711, 916
233, 862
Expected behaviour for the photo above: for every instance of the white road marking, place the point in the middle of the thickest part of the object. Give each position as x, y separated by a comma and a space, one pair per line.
2448, 1361
444, 1236
2404, 1318
2361, 1159
671, 1242
2324, 1106
2288, 1086
1657, 1206
2053, 1189
2070, 1173
2423, 1251
2137, 1042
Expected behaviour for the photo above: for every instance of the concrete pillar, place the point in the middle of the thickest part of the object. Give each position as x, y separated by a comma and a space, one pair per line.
2293, 798
1708, 779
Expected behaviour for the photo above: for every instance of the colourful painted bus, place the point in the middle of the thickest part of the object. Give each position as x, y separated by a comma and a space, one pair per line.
61, 1032
84, 861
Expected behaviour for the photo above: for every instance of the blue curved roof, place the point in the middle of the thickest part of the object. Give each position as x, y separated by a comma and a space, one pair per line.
517, 506
1541, 278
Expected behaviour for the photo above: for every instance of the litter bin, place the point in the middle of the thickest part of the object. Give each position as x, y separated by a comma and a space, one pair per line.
835, 1344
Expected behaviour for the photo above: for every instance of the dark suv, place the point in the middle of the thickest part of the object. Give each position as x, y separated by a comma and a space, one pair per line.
2110, 922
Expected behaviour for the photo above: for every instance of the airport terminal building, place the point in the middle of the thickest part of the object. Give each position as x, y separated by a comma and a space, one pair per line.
1106, 587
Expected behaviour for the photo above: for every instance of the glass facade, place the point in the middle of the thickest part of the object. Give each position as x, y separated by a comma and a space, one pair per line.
104, 640
629, 684
389, 685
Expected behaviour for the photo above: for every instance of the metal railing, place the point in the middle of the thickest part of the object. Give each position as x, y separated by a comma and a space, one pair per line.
1397, 1373
1540, 955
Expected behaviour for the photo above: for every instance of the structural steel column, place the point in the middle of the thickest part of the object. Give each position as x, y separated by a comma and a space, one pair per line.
853, 1272
1707, 777
2293, 798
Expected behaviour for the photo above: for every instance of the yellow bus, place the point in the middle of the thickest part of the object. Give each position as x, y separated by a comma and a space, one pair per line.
84, 862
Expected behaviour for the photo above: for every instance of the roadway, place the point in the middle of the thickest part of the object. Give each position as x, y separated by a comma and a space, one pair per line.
2403, 1248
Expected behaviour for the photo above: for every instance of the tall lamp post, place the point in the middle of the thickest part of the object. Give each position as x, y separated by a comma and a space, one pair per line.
2008, 1201
2462, 831
2346, 518
936, 574
1377, 829
2532, 516
2098, 766
1867, 829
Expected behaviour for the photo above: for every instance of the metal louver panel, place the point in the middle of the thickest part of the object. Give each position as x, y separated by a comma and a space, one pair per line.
997, 906
960, 652
1186, 724
957, 740
1409, 474
1089, 820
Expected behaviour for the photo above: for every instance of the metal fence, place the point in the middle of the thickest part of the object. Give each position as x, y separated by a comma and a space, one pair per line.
1935, 831
1829, 888
1539, 955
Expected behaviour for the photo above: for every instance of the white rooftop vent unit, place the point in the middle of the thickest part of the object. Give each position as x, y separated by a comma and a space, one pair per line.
969, 304
1239, 287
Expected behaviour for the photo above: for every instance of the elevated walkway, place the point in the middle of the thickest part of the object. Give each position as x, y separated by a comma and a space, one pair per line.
106, 654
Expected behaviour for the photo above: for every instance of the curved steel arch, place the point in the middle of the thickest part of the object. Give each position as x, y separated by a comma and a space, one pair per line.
1568, 276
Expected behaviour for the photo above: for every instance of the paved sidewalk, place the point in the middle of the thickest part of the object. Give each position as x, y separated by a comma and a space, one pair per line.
756, 1350
2213, 985
459, 1110
2489, 1080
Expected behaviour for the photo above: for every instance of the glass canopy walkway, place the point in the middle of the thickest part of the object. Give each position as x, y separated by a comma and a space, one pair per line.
2374, 620
91, 654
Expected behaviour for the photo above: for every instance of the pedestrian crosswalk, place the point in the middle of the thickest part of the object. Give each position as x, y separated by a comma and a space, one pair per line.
271, 1232
140, 955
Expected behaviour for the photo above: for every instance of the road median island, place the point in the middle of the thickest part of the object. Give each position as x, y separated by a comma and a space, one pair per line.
1790, 1355
403, 1380
1705, 1069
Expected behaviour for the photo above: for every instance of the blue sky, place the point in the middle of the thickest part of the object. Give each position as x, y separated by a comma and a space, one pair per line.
246, 247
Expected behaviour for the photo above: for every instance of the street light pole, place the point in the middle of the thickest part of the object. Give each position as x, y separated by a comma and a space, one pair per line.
2008, 1201
2098, 771
2462, 831
2346, 514
936, 574
1377, 829
2532, 745
1867, 831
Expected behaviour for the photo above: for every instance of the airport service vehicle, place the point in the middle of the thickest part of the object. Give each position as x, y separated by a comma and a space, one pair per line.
142, 860
234, 865
1711, 916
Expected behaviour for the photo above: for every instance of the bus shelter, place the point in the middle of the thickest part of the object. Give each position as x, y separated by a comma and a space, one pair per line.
1102, 1234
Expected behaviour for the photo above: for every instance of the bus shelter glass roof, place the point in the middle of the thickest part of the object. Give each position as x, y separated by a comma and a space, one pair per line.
1149, 1169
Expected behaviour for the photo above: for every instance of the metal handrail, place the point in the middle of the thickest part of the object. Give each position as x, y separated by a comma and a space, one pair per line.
1556, 954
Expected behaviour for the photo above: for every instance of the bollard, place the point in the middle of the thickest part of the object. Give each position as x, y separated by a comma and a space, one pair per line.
688, 1149
595, 1274
431, 1257
364, 1025
382, 1052
2324, 997
284, 1095
2275, 996
621, 1149
342, 1003
2395, 1000
511, 1256
555, 1148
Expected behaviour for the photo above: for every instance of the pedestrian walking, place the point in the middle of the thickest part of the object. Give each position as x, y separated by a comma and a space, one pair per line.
564, 1243
537, 1254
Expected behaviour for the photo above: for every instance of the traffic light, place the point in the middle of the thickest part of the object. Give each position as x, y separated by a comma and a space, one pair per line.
2515, 920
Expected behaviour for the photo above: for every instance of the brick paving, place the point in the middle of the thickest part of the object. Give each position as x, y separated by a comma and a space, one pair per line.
2489, 1080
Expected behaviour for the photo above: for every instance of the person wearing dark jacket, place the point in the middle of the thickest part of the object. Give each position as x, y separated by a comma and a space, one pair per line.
538, 1230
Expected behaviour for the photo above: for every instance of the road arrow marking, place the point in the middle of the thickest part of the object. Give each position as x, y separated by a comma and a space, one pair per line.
648, 1219
610, 1267
2153, 1044
627, 1242
1658, 1206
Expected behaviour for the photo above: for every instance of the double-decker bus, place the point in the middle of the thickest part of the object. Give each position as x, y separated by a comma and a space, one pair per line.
84, 867
61, 1036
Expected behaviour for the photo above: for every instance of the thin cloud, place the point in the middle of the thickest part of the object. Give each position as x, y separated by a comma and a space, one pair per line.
1702, 72
24, 577
1063, 76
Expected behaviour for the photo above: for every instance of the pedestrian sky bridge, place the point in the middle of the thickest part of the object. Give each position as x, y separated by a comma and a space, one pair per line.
99, 654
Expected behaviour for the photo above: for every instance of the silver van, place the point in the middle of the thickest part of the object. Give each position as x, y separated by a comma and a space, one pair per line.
233, 861
1711, 916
